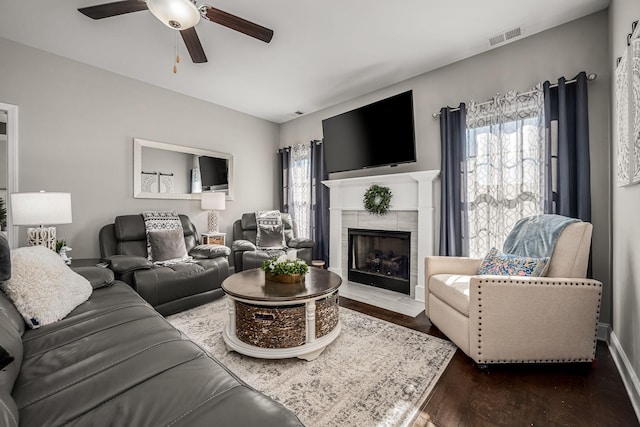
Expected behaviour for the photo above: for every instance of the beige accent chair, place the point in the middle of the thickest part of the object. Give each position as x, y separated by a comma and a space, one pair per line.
509, 319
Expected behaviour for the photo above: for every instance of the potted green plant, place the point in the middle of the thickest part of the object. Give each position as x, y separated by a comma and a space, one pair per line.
285, 269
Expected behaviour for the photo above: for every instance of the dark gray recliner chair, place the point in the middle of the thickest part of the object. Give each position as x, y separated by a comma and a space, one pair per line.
169, 289
247, 255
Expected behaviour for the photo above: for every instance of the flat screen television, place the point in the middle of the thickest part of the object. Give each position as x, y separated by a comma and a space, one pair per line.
377, 134
213, 173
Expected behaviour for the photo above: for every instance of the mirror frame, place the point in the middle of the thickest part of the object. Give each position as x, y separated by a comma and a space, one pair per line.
138, 143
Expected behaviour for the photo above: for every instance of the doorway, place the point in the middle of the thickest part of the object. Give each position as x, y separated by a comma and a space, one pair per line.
8, 169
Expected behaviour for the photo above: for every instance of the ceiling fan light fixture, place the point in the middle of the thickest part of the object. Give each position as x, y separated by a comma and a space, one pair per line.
175, 14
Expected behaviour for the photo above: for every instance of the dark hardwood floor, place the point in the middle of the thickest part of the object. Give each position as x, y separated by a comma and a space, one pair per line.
518, 394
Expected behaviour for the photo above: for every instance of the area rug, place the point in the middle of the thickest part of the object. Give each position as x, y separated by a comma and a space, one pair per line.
374, 374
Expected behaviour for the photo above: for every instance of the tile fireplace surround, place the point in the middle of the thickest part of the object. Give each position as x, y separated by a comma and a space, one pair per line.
412, 209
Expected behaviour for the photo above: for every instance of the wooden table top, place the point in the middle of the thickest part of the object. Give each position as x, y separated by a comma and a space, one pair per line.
252, 285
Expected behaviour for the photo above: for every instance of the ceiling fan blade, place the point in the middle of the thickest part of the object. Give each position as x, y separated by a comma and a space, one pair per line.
236, 23
107, 10
192, 41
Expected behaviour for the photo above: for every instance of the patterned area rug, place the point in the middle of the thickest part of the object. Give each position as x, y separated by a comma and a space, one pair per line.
374, 374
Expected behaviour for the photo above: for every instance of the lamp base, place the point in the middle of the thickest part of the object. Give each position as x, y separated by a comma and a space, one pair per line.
214, 226
42, 236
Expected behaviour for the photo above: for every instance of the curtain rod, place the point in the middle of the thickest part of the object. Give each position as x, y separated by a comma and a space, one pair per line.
313, 141
590, 77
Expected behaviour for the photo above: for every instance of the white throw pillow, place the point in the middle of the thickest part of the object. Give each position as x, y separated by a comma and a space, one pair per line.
42, 287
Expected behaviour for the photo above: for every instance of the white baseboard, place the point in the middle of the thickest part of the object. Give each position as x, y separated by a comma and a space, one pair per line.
629, 376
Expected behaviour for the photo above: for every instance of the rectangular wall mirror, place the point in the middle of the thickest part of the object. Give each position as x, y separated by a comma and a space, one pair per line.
168, 171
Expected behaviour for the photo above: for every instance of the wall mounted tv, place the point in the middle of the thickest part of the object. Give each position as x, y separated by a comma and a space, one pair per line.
377, 134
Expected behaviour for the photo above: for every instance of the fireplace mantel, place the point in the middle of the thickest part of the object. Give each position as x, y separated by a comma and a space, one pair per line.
412, 191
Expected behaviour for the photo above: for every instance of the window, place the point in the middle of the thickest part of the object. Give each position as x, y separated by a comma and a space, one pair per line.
300, 189
504, 170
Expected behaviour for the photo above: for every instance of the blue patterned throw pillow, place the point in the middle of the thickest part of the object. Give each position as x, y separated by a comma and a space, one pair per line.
500, 264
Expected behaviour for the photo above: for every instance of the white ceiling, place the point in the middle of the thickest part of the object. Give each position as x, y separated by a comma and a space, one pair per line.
323, 52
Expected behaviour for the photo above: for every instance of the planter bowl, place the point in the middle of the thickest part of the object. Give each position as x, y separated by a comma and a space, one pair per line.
284, 278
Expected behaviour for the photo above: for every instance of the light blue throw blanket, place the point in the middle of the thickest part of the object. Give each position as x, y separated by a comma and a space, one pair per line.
536, 236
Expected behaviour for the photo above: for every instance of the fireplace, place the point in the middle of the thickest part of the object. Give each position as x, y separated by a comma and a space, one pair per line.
380, 258
412, 210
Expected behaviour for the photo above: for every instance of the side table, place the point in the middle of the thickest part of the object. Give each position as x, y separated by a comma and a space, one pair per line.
213, 238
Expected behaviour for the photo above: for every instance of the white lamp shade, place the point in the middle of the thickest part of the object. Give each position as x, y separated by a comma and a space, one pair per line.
212, 201
40, 208
176, 14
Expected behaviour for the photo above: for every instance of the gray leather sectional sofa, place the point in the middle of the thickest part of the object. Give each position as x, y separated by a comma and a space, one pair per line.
114, 361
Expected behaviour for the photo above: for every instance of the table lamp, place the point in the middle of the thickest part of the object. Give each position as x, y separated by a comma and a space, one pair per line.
39, 209
213, 202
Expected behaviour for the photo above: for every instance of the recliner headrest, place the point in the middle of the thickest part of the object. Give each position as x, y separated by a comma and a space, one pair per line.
131, 227
248, 221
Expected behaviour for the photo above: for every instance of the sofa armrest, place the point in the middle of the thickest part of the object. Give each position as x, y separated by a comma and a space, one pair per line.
243, 245
99, 277
450, 265
209, 251
301, 242
121, 264
533, 319
447, 265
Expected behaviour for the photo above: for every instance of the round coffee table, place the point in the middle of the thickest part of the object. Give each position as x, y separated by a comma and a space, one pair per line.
278, 320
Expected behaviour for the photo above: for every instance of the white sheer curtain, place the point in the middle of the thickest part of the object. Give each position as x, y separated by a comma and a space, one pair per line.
505, 166
300, 189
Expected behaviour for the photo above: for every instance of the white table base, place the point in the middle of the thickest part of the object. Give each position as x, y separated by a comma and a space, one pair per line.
308, 351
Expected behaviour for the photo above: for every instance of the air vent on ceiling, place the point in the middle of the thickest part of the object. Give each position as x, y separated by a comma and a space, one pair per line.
507, 35
497, 39
298, 113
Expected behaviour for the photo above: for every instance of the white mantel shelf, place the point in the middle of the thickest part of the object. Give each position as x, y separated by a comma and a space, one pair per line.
411, 191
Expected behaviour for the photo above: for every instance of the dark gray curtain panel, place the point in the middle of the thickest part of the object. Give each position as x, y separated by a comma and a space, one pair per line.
568, 165
453, 222
284, 160
319, 203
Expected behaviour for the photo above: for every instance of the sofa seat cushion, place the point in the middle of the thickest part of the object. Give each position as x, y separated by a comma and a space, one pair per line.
160, 285
115, 298
453, 289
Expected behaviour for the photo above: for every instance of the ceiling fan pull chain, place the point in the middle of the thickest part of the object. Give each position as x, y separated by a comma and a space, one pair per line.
177, 57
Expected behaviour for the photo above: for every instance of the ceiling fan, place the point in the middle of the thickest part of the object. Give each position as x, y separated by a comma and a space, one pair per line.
181, 15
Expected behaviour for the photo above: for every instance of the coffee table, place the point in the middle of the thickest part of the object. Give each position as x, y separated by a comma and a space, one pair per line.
278, 320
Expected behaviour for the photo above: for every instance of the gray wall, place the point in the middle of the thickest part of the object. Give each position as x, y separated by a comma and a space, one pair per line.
626, 233
76, 129
580, 45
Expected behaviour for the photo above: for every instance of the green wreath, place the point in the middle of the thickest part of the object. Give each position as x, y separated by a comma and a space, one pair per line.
377, 200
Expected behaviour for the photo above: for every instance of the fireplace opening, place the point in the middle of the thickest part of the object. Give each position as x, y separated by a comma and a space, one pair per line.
380, 258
